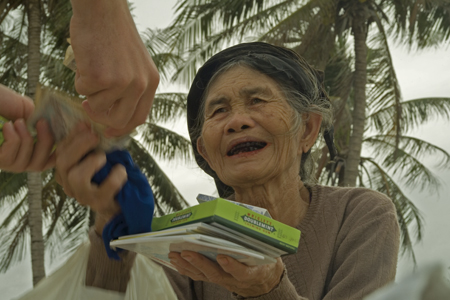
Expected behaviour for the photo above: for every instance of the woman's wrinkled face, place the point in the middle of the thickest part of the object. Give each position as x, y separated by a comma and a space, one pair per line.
247, 135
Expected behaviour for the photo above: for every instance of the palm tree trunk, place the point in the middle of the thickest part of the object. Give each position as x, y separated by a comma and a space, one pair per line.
34, 179
359, 109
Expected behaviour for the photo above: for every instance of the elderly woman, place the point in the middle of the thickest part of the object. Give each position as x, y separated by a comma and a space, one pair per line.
254, 113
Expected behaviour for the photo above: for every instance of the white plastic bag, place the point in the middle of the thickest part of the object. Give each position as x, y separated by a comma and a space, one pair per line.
147, 281
428, 283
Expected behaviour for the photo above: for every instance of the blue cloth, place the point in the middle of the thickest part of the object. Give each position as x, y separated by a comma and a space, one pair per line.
135, 199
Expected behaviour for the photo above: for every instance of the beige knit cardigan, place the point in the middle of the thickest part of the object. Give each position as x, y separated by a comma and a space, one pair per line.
348, 248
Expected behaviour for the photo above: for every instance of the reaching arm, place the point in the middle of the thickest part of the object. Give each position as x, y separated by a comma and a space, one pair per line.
114, 69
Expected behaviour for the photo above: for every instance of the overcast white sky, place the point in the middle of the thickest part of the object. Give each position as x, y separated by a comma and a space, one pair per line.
424, 74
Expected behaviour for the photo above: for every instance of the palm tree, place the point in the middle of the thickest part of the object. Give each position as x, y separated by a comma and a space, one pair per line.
65, 222
390, 160
317, 29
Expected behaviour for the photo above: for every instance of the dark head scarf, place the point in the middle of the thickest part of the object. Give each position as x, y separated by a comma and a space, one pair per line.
290, 68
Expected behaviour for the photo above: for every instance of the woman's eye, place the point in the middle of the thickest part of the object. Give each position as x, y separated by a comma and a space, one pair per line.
219, 110
256, 100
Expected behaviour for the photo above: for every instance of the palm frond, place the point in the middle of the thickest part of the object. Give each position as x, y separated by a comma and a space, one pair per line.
11, 185
166, 61
398, 161
414, 113
168, 107
429, 23
14, 241
407, 213
232, 20
165, 143
385, 90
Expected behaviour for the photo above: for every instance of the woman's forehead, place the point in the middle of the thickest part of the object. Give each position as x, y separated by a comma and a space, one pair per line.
243, 80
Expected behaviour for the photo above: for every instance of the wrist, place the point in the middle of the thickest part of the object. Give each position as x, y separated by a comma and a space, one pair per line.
94, 7
100, 221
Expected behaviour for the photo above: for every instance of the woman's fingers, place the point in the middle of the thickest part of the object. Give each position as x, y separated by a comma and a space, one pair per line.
10, 147
108, 189
80, 174
77, 164
70, 151
42, 157
26, 145
248, 281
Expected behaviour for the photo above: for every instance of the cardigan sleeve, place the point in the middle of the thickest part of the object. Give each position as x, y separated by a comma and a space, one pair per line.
366, 249
104, 272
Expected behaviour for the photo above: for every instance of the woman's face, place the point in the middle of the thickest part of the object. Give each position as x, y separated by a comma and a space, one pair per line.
247, 136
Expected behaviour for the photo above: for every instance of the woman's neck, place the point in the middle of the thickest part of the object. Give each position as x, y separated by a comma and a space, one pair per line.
286, 201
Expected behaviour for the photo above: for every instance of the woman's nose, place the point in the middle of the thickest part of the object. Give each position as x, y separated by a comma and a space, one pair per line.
239, 121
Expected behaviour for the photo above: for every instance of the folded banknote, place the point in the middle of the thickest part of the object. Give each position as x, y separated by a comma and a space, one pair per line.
63, 113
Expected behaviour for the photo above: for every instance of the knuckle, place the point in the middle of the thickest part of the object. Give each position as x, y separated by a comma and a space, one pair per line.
140, 85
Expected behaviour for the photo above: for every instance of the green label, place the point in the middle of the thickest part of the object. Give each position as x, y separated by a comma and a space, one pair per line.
256, 221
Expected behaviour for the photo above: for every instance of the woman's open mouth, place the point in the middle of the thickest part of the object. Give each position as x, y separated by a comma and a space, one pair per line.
246, 147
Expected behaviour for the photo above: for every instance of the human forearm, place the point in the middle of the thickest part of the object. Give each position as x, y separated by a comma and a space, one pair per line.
86, 8
114, 69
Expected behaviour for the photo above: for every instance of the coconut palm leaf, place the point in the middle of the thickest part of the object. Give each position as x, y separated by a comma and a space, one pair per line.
196, 34
14, 235
165, 143
168, 107
403, 161
11, 185
429, 23
156, 41
415, 112
385, 88
407, 212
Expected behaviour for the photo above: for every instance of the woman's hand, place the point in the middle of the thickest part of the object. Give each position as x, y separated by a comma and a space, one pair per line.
19, 152
114, 69
77, 163
246, 281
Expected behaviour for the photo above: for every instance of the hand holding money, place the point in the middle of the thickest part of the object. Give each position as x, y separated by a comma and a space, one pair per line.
63, 113
18, 150
114, 69
30, 147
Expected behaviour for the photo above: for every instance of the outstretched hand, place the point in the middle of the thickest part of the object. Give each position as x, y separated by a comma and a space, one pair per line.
114, 69
246, 281
19, 152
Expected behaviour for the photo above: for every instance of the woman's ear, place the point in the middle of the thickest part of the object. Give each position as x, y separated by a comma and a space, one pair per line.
201, 149
311, 131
